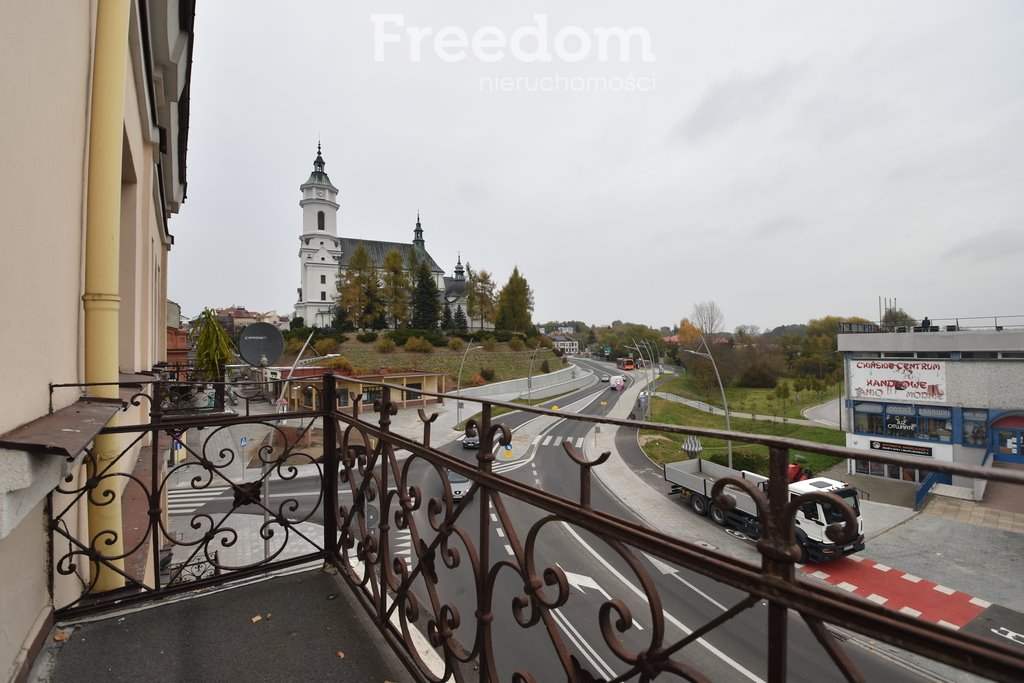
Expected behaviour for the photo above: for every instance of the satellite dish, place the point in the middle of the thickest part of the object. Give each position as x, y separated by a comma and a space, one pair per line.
261, 344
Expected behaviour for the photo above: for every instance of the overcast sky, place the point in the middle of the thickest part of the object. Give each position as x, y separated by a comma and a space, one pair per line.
785, 160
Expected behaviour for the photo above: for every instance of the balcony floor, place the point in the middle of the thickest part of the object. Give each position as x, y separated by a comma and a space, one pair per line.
309, 627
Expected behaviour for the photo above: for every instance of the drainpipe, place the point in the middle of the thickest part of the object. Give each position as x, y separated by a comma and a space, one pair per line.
101, 301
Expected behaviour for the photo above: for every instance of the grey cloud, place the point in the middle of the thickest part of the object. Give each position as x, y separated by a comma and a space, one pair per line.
776, 227
995, 245
729, 102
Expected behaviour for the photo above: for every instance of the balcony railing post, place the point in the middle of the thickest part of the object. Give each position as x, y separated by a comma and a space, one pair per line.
330, 482
485, 460
380, 456
778, 539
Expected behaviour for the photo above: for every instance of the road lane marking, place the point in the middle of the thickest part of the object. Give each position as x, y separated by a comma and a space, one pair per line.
668, 617
582, 645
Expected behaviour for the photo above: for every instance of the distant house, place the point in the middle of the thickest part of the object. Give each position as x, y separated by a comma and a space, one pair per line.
566, 344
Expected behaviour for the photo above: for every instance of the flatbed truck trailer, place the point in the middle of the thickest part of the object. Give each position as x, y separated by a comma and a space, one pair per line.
694, 479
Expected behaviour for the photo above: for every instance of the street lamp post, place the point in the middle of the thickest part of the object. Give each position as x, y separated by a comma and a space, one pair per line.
650, 385
529, 377
458, 384
725, 406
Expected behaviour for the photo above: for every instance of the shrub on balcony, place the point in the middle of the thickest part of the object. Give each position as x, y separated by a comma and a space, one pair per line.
212, 345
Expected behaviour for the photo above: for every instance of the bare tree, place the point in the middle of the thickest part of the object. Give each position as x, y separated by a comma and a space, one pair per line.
707, 316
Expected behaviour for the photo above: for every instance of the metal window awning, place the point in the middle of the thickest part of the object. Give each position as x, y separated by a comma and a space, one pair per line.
65, 432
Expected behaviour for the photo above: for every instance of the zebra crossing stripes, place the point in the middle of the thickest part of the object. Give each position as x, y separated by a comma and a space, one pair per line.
556, 441
402, 545
187, 500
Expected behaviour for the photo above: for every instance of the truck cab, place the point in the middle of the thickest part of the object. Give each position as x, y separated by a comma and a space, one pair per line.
814, 518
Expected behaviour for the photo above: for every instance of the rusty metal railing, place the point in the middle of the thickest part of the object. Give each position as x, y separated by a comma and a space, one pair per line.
447, 582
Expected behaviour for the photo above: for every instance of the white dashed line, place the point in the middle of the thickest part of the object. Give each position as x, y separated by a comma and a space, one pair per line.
911, 578
910, 610
820, 575
508, 549
948, 625
501, 533
848, 587
878, 599
985, 604
943, 589
882, 567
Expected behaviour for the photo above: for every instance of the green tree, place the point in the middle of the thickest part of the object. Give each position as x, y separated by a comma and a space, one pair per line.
354, 285
340, 320
459, 319
372, 317
447, 319
897, 317
481, 304
515, 305
782, 392
395, 289
426, 304
212, 347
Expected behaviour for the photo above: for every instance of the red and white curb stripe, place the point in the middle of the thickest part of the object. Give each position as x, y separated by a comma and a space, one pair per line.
899, 590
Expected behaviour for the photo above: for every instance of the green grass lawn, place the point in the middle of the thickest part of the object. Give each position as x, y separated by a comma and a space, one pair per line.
504, 362
745, 400
664, 448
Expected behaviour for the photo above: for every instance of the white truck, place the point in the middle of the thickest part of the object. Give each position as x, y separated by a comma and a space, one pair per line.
695, 478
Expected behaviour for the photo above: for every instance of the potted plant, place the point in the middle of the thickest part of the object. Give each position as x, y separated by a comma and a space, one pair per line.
212, 352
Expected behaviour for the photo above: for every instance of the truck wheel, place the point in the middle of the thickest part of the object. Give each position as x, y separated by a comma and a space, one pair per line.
717, 515
699, 504
803, 554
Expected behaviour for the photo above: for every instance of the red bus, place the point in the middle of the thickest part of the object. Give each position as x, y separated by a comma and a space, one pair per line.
625, 364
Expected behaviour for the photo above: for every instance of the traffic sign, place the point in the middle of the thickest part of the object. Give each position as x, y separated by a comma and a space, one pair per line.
243, 442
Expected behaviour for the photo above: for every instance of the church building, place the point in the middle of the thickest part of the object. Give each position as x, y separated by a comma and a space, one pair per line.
323, 254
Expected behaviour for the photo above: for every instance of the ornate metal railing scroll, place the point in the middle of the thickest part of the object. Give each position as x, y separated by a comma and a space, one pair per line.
486, 586
458, 539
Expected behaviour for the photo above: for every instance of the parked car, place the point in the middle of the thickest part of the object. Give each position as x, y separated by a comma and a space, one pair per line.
459, 485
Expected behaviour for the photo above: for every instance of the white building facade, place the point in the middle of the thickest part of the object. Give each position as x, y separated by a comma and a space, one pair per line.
320, 249
954, 396
324, 254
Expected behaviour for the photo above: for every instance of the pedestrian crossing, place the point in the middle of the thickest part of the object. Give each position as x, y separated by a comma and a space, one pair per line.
551, 440
185, 501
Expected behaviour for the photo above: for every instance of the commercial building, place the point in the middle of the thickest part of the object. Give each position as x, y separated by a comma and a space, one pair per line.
939, 394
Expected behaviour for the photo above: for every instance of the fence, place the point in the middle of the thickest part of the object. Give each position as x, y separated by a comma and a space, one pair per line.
494, 560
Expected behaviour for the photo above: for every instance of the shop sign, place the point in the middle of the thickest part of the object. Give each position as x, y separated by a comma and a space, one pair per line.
903, 380
905, 448
900, 425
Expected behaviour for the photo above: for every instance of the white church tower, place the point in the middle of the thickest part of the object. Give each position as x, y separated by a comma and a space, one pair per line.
319, 247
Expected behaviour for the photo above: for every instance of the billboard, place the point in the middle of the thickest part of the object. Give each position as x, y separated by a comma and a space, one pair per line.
919, 381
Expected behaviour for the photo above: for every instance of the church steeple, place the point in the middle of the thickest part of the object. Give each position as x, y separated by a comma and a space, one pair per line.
319, 175
460, 273
417, 240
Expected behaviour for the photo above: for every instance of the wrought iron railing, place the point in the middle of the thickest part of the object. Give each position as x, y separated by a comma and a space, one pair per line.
492, 564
